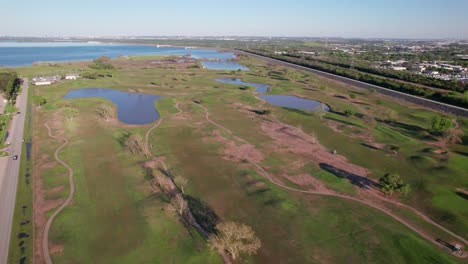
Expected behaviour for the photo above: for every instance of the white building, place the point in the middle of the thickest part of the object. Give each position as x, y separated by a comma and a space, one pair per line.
398, 68
47, 80
72, 76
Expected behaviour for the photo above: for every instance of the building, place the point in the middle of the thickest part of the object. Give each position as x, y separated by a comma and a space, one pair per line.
398, 68
72, 76
45, 80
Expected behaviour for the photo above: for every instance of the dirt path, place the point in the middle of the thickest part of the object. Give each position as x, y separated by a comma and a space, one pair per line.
350, 198
45, 237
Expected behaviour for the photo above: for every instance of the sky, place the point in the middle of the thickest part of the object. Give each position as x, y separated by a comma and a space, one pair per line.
297, 18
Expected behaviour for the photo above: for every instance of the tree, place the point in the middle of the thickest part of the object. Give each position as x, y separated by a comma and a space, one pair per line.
104, 111
320, 110
390, 183
39, 100
70, 112
180, 204
405, 189
234, 238
349, 112
388, 115
134, 143
440, 125
181, 182
453, 136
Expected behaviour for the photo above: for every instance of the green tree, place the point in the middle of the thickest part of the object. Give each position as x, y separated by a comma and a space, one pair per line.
70, 112
405, 189
390, 182
39, 100
440, 125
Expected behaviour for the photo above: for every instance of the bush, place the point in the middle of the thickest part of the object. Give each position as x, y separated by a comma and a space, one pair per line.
440, 125
39, 100
349, 112
102, 63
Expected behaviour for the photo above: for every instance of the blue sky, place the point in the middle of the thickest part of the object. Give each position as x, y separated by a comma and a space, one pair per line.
311, 18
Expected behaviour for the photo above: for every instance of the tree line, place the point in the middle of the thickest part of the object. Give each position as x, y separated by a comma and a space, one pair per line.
400, 75
450, 97
9, 84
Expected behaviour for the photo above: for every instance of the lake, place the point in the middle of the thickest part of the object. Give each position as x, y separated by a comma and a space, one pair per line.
132, 108
289, 101
14, 54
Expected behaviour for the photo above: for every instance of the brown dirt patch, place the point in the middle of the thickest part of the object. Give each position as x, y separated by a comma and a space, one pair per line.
153, 163
55, 190
440, 151
56, 249
305, 179
236, 152
295, 141
49, 165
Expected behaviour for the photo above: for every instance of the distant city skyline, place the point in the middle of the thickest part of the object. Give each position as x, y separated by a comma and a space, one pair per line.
410, 19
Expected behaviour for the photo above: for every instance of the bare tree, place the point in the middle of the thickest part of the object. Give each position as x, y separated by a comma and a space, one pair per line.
180, 182
104, 111
164, 184
320, 110
234, 238
453, 135
180, 204
134, 143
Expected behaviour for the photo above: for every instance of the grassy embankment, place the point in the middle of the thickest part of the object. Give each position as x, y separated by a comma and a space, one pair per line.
111, 186
23, 215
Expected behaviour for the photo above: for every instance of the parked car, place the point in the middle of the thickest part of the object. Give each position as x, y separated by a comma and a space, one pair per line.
15, 157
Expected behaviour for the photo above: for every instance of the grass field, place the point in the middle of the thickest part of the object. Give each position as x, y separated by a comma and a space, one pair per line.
114, 218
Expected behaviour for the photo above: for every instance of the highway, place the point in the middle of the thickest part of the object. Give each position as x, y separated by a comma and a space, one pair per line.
443, 107
9, 173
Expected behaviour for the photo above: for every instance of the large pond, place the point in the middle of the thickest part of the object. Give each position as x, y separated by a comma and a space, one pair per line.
132, 108
289, 101
25, 53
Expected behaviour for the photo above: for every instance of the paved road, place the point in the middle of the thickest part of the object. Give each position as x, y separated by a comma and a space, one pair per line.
407, 97
9, 175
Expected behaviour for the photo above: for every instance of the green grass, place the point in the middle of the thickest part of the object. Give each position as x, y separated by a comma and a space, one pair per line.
294, 228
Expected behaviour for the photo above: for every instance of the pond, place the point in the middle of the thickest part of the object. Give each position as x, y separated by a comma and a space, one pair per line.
132, 108
259, 88
289, 101
224, 65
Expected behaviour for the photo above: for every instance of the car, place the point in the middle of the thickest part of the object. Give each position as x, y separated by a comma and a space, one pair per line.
18, 113
15, 157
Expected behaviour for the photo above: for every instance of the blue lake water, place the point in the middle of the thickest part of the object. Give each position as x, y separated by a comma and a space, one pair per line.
224, 65
289, 101
259, 88
132, 108
25, 53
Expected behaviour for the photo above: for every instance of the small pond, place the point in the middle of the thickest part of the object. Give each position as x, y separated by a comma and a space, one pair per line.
132, 108
259, 88
224, 65
289, 101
